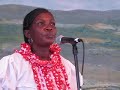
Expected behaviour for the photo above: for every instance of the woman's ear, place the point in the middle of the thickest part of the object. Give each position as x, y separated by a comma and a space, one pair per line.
27, 33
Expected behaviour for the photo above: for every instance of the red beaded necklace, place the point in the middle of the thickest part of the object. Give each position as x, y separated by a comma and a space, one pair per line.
48, 74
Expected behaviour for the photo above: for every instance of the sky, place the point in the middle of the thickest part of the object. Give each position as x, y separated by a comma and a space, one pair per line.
68, 4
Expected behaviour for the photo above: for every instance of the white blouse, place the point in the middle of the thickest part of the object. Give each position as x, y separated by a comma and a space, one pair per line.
16, 73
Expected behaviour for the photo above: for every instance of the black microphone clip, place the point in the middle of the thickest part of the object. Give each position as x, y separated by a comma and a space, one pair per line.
61, 40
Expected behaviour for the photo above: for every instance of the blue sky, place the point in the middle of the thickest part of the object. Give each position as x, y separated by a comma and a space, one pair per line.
68, 4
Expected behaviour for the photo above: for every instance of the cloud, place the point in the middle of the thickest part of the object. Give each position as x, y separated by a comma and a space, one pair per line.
90, 4
69, 4
101, 4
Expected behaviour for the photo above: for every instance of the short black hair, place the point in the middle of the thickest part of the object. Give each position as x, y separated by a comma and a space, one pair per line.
29, 18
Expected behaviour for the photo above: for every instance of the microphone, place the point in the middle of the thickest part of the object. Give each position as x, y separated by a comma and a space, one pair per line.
61, 40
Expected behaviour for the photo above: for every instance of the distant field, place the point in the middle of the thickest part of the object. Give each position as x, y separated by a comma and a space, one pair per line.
103, 38
10, 33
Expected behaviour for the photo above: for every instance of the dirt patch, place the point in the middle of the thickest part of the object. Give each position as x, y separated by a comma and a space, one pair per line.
93, 40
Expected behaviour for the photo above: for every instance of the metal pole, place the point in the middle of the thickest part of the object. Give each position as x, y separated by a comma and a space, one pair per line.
75, 52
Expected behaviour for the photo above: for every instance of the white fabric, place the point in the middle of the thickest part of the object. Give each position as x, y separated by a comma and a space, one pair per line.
16, 73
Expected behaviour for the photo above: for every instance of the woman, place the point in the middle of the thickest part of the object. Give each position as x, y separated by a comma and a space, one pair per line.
38, 65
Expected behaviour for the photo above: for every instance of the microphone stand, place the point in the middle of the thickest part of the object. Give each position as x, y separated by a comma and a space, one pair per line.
75, 52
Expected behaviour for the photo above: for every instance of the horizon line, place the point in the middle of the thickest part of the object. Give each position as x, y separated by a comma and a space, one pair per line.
61, 9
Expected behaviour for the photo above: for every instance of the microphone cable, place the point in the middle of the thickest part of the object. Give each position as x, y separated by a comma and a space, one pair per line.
83, 57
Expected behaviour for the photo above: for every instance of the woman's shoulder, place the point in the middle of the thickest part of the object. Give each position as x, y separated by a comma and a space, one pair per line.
15, 57
16, 67
67, 63
13, 61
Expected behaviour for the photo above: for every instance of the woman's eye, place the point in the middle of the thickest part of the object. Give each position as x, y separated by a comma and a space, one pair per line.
40, 23
53, 23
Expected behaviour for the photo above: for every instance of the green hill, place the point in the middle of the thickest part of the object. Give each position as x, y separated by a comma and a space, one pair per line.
12, 11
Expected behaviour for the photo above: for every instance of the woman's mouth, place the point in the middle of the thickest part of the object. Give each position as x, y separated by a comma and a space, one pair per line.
51, 36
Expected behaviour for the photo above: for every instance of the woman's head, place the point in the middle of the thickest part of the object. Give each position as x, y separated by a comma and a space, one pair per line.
39, 26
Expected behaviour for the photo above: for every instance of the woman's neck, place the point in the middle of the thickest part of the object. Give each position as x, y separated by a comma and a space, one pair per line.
41, 51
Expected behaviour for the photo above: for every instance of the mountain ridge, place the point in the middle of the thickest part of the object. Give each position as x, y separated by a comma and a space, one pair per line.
12, 11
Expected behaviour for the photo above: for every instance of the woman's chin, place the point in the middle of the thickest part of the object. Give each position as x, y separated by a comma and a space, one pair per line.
48, 43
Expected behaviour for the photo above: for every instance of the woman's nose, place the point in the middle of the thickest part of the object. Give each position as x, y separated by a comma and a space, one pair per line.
48, 29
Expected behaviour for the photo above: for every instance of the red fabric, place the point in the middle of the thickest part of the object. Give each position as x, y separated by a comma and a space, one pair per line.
50, 74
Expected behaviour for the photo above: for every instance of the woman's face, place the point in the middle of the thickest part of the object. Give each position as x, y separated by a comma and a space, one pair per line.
43, 30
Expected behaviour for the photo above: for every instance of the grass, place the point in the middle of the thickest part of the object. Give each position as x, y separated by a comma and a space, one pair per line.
112, 40
10, 33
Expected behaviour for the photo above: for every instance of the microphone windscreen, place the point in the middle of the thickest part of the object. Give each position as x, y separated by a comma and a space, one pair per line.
58, 39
